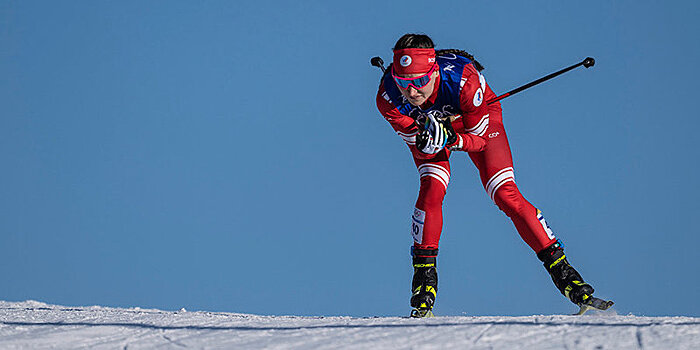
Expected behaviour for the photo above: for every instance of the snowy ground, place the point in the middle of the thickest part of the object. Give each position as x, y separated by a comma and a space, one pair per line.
37, 325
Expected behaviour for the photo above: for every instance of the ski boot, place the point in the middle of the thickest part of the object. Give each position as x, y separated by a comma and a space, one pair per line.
424, 286
569, 281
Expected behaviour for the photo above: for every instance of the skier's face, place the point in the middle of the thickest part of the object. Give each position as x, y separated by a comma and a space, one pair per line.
415, 96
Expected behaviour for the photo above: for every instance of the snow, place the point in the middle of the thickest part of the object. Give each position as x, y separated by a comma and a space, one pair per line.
35, 325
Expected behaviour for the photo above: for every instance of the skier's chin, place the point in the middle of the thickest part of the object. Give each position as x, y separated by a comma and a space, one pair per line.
416, 101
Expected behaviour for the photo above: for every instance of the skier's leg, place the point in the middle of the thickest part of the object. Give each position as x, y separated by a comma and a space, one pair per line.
495, 166
426, 227
427, 215
496, 170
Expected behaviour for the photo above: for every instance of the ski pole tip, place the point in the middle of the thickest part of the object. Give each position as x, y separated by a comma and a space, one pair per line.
589, 62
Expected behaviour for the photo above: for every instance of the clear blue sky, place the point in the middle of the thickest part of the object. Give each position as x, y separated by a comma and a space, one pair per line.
228, 156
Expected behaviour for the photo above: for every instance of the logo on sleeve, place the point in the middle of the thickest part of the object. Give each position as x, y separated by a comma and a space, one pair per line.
405, 61
478, 97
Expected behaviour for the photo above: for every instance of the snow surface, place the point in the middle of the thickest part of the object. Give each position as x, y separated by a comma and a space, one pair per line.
36, 325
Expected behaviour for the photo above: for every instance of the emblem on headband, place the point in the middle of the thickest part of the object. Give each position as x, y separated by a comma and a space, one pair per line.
405, 61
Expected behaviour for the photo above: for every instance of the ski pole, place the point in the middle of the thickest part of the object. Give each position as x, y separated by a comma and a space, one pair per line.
588, 62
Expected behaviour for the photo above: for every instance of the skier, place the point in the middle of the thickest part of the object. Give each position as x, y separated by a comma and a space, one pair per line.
436, 102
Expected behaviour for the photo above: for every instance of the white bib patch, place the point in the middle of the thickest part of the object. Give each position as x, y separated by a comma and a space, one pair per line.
417, 222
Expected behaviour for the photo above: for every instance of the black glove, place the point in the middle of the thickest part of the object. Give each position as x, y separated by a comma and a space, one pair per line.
433, 136
451, 135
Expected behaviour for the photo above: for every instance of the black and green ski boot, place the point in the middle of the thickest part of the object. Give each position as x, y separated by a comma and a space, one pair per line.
425, 281
569, 281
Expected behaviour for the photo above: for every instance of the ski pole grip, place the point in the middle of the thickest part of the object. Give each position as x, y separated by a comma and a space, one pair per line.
378, 62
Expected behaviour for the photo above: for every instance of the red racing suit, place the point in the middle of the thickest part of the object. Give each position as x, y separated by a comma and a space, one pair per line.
476, 124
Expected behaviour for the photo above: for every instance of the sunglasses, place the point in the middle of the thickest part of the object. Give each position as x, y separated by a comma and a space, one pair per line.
416, 82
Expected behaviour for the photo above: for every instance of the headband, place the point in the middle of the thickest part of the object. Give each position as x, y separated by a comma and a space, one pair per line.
413, 61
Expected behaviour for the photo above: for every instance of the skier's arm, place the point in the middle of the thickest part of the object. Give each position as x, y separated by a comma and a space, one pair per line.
465, 142
402, 124
472, 102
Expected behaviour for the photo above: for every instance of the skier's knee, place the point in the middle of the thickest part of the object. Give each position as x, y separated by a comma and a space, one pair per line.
432, 192
509, 199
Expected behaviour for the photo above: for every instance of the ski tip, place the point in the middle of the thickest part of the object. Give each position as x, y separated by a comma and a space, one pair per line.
594, 303
601, 304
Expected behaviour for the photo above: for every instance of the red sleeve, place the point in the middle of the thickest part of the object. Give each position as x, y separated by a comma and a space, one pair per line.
475, 111
402, 124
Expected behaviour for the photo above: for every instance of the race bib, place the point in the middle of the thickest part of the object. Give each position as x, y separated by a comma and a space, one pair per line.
417, 222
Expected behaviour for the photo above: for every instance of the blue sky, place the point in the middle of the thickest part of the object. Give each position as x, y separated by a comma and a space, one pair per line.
229, 157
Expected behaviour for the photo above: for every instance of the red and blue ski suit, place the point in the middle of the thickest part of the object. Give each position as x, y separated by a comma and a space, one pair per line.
461, 91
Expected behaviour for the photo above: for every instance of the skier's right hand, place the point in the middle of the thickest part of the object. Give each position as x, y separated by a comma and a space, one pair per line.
433, 138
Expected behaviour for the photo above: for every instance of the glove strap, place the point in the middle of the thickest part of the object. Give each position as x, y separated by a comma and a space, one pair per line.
457, 146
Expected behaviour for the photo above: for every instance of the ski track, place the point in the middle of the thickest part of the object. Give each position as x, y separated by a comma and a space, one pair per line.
35, 325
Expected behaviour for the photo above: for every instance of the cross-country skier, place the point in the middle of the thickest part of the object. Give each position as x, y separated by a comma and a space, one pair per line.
436, 102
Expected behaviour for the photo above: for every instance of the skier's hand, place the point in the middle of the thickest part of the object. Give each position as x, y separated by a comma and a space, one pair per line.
452, 137
424, 143
433, 138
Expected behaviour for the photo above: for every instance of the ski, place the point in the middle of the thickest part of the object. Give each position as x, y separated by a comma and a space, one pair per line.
593, 303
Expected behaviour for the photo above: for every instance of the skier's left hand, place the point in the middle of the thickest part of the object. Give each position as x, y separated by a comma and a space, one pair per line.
451, 135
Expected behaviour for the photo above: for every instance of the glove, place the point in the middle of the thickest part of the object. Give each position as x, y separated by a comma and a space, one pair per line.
434, 136
452, 137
